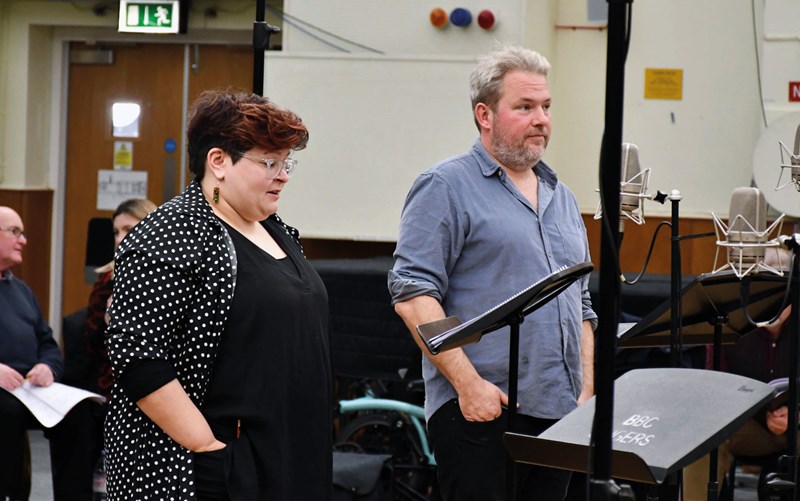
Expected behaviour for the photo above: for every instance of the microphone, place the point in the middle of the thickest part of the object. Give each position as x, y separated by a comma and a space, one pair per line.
633, 187
793, 163
747, 220
745, 239
795, 159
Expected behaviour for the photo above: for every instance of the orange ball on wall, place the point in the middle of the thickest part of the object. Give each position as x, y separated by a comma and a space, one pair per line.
438, 17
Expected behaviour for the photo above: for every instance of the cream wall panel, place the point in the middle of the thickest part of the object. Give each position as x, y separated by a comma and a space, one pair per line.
400, 26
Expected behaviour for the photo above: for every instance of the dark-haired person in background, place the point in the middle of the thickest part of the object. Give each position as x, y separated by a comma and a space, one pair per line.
127, 215
218, 333
86, 363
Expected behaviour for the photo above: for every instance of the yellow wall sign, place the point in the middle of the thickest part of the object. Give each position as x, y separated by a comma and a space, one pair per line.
662, 83
123, 155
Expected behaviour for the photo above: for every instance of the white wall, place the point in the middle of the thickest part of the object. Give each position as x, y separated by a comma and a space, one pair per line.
400, 26
378, 119
706, 152
375, 123
701, 145
780, 55
28, 30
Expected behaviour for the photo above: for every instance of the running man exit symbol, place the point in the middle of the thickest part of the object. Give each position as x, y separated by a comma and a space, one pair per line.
149, 16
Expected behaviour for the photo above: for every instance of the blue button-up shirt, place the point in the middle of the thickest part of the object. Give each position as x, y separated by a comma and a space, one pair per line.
470, 239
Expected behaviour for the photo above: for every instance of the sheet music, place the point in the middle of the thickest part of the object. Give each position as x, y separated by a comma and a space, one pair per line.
443, 335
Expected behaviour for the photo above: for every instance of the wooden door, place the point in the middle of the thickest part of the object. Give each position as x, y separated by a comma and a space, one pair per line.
152, 76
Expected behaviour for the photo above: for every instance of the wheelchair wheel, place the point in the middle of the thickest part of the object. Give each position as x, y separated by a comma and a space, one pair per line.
391, 433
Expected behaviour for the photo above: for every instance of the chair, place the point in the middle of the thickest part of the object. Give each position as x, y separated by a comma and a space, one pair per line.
99, 246
77, 367
768, 481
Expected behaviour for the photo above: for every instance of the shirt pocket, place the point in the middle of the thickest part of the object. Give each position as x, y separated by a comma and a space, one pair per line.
572, 241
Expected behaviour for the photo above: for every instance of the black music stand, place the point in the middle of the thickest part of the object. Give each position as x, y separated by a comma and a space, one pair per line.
712, 312
451, 332
664, 419
702, 302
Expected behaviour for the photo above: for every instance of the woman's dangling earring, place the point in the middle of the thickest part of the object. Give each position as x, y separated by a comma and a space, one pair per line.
216, 194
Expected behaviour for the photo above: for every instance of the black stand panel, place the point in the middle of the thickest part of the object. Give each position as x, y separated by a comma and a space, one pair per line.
664, 419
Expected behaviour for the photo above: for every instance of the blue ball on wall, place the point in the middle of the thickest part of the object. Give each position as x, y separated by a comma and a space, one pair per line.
461, 17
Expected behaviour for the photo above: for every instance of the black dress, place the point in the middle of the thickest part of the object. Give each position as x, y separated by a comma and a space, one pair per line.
272, 378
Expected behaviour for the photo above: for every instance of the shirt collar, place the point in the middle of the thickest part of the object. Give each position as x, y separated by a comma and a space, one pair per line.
6, 275
489, 165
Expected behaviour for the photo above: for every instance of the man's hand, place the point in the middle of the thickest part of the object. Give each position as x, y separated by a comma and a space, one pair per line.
40, 375
585, 395
778, 420
481, 401
478, 399
9, 378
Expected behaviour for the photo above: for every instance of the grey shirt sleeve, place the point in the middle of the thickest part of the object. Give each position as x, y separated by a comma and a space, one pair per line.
429, 241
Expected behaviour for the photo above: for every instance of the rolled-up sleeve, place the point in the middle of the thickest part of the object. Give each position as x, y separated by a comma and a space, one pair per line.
429, 240
587, 311
152, 293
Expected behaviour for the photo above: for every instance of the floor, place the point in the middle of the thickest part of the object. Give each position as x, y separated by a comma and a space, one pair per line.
42, 489
41, 485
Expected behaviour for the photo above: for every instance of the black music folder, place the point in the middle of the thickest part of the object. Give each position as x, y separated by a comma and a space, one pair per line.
450, 332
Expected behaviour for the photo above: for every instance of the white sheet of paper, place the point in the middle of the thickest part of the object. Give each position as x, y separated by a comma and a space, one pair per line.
50, 404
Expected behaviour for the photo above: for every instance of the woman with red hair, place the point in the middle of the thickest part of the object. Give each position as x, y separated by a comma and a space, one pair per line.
218, 333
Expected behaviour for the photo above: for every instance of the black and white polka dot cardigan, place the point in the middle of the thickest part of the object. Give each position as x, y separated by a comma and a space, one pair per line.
175, 277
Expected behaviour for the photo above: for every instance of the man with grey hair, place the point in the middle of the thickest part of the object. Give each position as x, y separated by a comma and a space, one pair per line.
475, 230
28, 353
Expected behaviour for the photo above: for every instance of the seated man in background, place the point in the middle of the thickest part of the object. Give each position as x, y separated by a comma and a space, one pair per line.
29, 352
764, 355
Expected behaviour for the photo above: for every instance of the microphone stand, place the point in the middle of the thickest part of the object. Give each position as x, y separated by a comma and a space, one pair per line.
601, 485
794, 323
675, 282
676, 345
789, 461
513, 381
261, 33
713, 482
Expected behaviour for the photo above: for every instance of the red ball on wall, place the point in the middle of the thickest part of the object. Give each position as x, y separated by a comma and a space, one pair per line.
486, 19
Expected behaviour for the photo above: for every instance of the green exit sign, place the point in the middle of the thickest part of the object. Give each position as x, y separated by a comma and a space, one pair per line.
149, 16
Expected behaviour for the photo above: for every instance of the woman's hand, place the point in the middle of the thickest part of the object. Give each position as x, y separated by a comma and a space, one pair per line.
106, 316
174, 412
214, 446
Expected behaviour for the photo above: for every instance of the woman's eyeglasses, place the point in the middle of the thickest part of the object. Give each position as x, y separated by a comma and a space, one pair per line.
273, 166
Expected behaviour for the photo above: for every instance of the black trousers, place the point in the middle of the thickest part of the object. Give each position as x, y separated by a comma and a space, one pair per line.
74, 449
471, 459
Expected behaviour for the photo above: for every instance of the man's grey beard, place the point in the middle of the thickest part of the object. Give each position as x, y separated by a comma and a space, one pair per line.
515, 157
